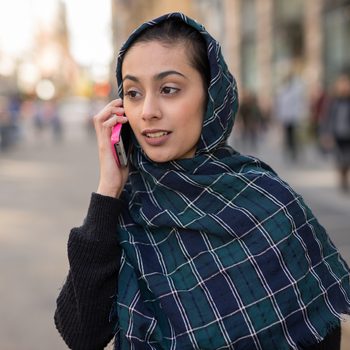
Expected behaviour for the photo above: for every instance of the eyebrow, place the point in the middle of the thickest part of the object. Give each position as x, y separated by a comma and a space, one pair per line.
159, 76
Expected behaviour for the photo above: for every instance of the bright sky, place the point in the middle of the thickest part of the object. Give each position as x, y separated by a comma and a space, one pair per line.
90, 24
88, 21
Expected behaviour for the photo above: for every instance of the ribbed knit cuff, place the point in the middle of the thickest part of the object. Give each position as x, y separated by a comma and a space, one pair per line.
102, 218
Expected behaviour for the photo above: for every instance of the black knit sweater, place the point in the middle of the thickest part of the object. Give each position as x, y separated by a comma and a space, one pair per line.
84, 303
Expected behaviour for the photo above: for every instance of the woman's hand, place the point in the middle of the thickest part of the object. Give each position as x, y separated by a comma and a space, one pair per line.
112, 177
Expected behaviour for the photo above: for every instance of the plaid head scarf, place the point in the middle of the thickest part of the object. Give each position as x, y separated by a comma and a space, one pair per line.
218, 251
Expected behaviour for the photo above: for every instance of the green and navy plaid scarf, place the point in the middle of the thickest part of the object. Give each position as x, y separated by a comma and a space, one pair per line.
218, 251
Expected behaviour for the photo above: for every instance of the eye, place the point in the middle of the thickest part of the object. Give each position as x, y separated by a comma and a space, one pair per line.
132, 94
169, 90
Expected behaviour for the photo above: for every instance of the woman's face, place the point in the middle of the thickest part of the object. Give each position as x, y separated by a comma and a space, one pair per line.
164, 100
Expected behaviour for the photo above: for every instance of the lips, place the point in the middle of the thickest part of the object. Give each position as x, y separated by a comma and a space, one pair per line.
153, 135
156, 137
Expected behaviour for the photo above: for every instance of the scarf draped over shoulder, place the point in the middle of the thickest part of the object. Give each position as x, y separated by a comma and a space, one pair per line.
218, 251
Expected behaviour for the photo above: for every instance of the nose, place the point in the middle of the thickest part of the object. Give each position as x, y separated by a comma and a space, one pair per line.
150, 108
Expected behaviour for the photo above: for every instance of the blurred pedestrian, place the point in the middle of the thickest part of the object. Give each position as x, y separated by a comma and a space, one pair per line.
5, 121
38, 117
338, 127
95, 105
251, 119
15, 118
53, 115
9, 127
290, 110
318, 111
47, 117
193, 245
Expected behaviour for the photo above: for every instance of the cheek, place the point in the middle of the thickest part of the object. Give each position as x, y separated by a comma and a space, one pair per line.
195, 104
196, 112
192, 121
131, 114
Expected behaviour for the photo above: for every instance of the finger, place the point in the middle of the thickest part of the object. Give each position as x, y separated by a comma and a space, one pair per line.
107, 112
117, 110
114, 120
118, 102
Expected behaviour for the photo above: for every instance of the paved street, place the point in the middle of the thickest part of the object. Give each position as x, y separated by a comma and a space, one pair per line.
45, 189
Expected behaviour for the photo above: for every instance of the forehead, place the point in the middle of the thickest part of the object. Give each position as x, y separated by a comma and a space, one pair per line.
154, 55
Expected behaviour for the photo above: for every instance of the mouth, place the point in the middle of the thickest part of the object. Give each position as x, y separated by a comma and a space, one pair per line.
156, 137
155, 134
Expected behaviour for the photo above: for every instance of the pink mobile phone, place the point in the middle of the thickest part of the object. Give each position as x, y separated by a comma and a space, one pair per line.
118, 148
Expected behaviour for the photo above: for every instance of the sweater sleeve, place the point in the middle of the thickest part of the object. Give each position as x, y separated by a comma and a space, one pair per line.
85, 301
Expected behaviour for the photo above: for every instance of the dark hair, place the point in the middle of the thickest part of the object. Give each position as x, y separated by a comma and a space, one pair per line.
174, 30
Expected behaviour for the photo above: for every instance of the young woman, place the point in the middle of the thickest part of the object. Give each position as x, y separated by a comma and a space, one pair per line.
193, 246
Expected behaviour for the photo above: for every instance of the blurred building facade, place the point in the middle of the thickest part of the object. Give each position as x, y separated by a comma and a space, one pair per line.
261, 39
46, 69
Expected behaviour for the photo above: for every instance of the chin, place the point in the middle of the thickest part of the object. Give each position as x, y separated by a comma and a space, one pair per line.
164, 159
159, 159
161, 156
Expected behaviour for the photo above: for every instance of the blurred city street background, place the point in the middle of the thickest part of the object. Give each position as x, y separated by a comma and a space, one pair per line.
57, 63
